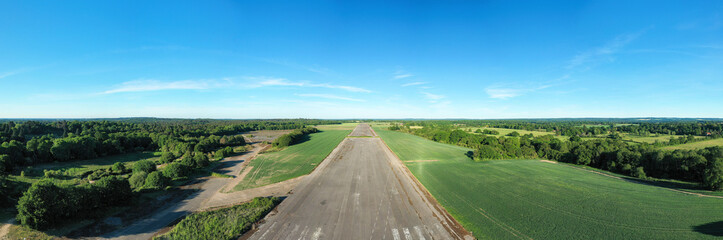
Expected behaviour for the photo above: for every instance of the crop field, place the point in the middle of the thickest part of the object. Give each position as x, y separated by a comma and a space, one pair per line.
343, 126
697, 145
294, 161
505, 131
531, 199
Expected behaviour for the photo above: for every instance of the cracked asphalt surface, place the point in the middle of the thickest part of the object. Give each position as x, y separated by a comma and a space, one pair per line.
360, 191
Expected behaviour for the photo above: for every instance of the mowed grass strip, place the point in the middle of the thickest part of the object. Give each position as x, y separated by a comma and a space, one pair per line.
343, 126
294, 161
697, 145
410, 147
530, 199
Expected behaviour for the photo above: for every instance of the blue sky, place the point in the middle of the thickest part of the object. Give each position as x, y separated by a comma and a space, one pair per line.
363, 59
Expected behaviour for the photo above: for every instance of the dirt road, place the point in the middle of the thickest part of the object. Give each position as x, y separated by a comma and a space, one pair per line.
209, 190
361, 191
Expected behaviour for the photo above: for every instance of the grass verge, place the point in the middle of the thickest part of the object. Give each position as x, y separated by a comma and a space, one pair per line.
227, 223
293, 161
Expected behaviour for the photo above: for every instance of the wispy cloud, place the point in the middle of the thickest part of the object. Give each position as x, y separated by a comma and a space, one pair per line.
13, 72
602, 53
506, 91
412, 84
432, 96
330, 96
262, 81
402, 74
145, 85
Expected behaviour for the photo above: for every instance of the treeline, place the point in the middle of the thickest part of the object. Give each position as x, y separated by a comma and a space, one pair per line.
33, 142
293, 137
638, 160
591, 127
46, 204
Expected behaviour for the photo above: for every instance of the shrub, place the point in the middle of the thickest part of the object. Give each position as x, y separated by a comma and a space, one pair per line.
155, 180
137, 180
227, 223
167, 157
144, 166
118, 167
175, 170
201, 160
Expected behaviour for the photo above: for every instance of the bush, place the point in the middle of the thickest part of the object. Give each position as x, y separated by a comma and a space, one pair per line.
224, 152
118, 167
97, 174
138, 179
175, 170
201, 159
37, 208
155, 180
167, 157
293, 137
144, 166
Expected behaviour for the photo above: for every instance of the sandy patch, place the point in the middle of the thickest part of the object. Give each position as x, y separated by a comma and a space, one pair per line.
548, 161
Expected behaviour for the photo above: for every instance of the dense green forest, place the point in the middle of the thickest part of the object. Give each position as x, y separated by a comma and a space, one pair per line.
611, 153
185, 145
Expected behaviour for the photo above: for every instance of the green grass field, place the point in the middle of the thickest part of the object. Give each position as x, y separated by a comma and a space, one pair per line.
697, 145
505, 131
294, 161
343, 126
530, 199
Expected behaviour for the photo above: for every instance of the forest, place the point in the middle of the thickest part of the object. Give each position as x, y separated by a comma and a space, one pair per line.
184, 144
641, 160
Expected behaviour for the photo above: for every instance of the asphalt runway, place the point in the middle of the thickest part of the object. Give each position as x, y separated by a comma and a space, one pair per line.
361, 191
362, 130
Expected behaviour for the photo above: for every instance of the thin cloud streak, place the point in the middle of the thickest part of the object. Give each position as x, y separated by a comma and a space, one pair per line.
432, 96
144, 85
284, 82
413, 84
329, 96
602, 52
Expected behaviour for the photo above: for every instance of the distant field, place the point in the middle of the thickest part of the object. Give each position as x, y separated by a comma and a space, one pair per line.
697, 145
410, 147
652, 138
294, 161
343, 126
505, 131
530, 199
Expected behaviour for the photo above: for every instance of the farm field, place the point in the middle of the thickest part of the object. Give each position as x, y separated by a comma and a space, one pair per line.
343, 126
697, 145
531, 199
294, 161
505, 131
